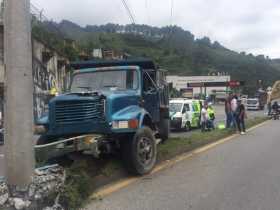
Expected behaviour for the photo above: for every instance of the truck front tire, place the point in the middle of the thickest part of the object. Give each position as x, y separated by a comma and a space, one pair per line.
139, 153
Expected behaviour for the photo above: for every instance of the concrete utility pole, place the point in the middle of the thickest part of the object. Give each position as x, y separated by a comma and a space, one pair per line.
18, 121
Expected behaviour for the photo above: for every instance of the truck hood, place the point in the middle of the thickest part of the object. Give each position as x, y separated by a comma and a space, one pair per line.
115, 101
89, 95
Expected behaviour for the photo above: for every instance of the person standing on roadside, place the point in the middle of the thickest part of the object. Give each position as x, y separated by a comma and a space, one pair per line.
240, 118
233, 107
269, 108
204, 118
211, 116
228, 112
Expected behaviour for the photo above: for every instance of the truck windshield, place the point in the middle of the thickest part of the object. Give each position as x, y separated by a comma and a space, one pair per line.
105, 80
175, 107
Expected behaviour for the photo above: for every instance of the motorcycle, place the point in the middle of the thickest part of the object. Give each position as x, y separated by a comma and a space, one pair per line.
275, 114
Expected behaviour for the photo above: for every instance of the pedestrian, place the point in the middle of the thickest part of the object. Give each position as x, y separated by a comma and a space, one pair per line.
233, 107
211, 116
204, 118
275, 107
228, 112
200, 106
240, 118
269, 108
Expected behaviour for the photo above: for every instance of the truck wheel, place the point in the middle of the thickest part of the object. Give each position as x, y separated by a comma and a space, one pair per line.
164, 129
139, 153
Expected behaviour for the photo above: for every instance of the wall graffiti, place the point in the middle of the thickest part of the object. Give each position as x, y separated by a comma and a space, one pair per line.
44, 80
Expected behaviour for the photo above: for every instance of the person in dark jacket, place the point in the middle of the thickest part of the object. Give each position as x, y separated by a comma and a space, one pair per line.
240, 118
228, 112
275, 106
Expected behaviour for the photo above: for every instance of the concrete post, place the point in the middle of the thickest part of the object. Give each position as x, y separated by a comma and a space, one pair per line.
18, 118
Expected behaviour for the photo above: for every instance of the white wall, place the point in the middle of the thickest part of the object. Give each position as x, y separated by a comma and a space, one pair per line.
180, 82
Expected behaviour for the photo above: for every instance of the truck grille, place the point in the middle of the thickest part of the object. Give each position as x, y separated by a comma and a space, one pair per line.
79, 111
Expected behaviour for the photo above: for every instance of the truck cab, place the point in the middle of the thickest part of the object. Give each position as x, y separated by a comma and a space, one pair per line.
116, 106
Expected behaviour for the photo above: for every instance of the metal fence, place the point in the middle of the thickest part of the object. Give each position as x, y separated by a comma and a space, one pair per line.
34, 11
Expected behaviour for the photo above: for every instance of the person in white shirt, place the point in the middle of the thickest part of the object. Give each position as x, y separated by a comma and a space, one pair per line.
233, 104
233, 107
204, 118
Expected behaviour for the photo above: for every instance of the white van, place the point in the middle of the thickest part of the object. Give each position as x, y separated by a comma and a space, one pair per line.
184, 113
253, 104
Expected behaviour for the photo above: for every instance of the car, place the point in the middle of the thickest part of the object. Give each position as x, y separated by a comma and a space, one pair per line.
111, 106
253, 104
184, 114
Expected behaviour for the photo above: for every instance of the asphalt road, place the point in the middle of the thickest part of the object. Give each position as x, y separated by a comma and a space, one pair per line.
220, 117
241, 174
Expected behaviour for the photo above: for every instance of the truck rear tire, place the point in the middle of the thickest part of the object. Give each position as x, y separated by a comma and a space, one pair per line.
164, 129
139, 153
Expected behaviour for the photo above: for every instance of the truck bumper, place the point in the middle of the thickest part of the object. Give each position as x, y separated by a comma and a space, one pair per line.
86, 143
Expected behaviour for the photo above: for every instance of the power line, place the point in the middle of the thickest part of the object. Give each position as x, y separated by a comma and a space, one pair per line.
171, 12
129, 12
147, 11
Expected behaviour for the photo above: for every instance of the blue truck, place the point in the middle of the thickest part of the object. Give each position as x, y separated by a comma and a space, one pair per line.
110, 106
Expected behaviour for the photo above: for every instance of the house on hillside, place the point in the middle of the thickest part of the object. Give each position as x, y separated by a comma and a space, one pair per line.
107, 54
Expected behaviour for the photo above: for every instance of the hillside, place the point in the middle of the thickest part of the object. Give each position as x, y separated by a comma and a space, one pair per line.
174, 49
276, 63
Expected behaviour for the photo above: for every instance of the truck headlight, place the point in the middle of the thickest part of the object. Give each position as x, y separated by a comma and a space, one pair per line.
133, 124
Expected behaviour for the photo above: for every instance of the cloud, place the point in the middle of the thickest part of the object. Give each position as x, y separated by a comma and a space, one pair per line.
241, 25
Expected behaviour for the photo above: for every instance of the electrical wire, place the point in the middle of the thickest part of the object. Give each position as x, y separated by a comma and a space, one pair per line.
171, 12
147, 11
129, 12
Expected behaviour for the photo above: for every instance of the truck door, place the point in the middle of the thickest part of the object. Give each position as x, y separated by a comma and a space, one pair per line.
151, 94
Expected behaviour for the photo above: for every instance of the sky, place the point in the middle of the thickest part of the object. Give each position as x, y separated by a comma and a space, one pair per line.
252, 26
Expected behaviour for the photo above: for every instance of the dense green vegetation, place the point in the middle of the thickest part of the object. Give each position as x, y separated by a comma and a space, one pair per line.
172, 48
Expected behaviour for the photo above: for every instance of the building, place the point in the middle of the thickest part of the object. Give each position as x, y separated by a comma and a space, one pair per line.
107, 54
49, 71
198, 85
